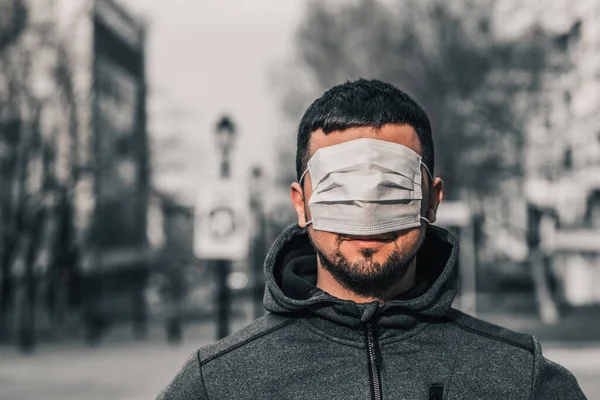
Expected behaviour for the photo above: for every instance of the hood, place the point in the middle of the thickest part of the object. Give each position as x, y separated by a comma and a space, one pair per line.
291, 275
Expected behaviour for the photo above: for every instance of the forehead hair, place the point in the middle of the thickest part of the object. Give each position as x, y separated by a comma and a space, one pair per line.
363, 103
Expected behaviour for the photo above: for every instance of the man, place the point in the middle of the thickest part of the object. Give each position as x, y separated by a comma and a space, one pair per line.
359, 292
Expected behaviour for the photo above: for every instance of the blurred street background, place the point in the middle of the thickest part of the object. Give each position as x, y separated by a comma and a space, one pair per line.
147, 148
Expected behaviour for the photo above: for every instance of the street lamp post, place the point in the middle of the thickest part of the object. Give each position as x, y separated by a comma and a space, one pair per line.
225, 132
258, 242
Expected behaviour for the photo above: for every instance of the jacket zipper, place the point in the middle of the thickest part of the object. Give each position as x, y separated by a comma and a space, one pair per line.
374, 363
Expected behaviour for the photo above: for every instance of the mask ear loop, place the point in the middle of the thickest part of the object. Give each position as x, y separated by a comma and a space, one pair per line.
430, 183
300, 182
304, 173
428, 173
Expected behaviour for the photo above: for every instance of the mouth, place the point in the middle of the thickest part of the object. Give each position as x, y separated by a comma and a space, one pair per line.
369, 240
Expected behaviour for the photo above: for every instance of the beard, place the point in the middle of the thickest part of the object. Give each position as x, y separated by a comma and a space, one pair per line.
367, 277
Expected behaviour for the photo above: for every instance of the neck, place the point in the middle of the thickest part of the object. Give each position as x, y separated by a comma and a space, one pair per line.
327, 283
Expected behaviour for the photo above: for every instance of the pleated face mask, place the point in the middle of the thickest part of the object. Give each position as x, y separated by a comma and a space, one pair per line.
365, 187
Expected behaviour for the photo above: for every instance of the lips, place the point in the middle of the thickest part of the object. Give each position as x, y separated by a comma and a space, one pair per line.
388, 237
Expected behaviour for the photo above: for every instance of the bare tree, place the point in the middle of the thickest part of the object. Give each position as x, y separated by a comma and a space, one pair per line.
13, 19
25, 179
476, 89
37, 197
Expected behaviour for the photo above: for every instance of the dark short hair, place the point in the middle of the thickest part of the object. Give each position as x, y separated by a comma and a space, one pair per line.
363, 103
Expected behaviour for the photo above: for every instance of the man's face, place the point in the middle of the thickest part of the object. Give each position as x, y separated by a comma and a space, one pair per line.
367, 259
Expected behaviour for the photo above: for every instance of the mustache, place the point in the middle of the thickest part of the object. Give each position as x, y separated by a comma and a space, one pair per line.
384, 237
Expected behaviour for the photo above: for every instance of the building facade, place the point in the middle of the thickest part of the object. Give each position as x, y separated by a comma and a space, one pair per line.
562, 174
563, 151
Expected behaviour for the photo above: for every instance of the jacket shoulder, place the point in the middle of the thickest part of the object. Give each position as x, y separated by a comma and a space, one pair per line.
489, 331
491, 361
519, 368
256, 330
190, 382
553, 381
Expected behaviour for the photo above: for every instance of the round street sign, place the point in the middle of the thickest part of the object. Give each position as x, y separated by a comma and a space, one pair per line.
222, 222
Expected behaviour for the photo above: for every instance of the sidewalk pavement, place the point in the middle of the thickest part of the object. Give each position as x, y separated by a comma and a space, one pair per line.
124, 369
119, 368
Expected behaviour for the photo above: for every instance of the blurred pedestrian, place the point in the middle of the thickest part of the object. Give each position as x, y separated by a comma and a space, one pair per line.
360, 291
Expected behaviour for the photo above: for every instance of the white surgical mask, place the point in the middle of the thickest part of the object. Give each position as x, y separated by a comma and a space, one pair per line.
365, 187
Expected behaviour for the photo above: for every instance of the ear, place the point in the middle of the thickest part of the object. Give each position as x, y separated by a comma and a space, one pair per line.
297, 197
436, 194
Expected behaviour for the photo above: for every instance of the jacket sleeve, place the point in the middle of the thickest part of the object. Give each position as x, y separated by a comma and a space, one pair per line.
552, 381
188, 383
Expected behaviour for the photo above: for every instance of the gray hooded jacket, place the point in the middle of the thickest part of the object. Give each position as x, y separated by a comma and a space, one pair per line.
314, 346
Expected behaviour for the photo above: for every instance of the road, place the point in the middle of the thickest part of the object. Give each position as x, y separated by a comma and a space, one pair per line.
127, 370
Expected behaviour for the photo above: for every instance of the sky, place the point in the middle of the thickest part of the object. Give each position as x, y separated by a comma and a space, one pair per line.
206, 58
